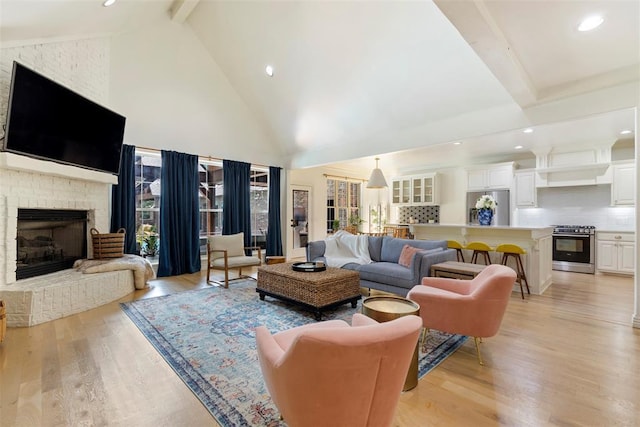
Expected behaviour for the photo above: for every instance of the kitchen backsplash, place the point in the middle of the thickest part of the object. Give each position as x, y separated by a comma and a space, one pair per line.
584, 205
420, 214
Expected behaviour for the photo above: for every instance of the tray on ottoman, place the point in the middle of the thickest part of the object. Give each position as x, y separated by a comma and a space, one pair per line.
316, 291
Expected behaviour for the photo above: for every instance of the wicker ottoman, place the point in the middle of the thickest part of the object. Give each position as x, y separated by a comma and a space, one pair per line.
316, 291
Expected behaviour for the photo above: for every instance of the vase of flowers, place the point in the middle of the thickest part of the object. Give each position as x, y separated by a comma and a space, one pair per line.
485, 205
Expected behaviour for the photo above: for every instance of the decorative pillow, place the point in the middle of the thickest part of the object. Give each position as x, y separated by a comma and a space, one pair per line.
407, 255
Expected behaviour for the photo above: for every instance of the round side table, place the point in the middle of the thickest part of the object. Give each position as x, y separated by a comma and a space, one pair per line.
386, 308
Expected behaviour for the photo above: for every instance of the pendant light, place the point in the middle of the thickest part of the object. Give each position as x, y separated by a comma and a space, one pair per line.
376, 180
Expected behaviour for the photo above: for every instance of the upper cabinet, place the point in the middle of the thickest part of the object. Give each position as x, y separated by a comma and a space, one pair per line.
415, 190
623, 186
490, 177
525, 189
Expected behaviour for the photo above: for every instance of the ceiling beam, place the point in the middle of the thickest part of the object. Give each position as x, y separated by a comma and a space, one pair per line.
181, 9
476, 25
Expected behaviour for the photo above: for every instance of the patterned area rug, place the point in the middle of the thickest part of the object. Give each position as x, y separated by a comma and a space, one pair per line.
207, 336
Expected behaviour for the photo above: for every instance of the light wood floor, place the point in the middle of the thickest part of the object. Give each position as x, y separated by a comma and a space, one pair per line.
568, 358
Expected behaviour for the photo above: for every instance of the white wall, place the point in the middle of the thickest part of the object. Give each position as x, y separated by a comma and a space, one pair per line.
175, 97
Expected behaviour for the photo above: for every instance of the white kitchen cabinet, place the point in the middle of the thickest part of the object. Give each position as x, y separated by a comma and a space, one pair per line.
525, 189
490, 177
401, 190
623, 187
415, 190
615, 252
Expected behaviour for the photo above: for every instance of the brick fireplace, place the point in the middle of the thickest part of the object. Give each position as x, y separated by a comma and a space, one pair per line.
26, 188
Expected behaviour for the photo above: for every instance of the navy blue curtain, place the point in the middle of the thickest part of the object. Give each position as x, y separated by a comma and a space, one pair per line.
236, 209
123, 199
274, 233
179, 215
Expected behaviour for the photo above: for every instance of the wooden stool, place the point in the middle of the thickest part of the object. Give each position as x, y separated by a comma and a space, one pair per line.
454, 244
479, 248
510, 250
273, 259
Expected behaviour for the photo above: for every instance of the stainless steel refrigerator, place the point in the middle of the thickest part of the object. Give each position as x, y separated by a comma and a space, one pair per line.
501, 214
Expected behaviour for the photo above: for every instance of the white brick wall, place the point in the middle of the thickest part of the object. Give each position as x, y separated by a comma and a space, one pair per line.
44, 298
82, 66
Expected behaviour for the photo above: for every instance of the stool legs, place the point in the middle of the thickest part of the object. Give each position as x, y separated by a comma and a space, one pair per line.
519, 270
485, 254
459, 255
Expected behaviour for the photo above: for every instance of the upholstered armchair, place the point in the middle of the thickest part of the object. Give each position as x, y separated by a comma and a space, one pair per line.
467, 307
332, 374
227, 252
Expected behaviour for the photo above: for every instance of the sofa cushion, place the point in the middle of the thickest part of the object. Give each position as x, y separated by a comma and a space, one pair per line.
375, 247
392, 247
389, 273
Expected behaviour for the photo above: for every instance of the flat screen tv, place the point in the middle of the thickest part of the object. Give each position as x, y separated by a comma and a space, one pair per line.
48, 121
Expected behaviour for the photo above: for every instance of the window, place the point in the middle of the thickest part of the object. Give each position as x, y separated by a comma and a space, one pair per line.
343, 202
211, 190
148, 168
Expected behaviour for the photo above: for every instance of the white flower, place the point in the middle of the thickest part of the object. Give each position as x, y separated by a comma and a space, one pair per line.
486, 202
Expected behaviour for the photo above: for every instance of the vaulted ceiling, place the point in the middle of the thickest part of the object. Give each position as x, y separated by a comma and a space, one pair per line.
355, 79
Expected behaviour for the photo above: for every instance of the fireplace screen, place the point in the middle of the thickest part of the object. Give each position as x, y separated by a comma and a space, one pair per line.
49, 240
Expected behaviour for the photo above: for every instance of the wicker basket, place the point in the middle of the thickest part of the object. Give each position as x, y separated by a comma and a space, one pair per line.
108, 245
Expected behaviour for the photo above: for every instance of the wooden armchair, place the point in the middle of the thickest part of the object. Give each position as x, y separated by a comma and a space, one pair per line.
228, 252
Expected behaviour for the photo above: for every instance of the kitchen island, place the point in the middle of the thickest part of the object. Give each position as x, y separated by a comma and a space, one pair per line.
537, 241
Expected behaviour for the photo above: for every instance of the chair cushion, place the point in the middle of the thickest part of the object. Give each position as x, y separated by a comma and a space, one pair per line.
236, 261
232, 243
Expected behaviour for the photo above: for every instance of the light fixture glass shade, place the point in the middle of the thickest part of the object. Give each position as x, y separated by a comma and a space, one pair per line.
376, 180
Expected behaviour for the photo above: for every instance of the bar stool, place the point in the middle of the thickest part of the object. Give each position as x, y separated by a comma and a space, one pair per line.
454, 244
511, 250
479, 248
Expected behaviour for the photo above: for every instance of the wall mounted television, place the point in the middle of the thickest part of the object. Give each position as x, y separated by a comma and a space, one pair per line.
48, 121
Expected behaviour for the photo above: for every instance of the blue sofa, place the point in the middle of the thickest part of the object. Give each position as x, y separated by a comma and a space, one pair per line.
384, 273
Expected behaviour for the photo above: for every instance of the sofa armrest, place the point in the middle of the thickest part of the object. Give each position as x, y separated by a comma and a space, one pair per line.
434, 258
315, 250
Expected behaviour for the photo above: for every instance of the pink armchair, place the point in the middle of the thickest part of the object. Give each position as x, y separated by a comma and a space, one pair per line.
332, 374
467, 307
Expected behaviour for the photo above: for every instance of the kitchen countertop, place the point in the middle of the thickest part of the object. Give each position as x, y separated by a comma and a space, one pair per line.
483, 227
613, 230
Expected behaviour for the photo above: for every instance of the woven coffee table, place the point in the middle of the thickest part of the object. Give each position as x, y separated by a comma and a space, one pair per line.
316, 291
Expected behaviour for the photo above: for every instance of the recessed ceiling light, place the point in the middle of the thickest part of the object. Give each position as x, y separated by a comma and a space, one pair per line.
269, 70
457, 143
528, 130
108, 3
518, 147
590, 23
625, 132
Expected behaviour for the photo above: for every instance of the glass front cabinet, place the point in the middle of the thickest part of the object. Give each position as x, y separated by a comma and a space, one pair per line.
415, 190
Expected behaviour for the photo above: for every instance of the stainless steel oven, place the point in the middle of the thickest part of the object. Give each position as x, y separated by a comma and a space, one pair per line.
574, 248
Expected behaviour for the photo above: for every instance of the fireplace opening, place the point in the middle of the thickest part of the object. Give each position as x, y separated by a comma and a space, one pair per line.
49, 240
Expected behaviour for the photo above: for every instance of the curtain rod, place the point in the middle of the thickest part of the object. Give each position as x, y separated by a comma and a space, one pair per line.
157, 150
327, 175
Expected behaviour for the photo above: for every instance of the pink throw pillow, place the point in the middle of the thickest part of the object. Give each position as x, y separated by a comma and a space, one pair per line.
407, 255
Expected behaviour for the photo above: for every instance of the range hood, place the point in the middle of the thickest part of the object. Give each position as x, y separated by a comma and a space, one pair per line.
573, 168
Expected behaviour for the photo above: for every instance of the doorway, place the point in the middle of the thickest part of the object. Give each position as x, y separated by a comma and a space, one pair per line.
301, 208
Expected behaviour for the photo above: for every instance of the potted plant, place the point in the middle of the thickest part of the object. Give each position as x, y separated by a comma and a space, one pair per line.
335, 225
148, 239
355, 221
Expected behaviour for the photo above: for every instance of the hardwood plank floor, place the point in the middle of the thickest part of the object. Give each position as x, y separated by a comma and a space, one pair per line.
567, 358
